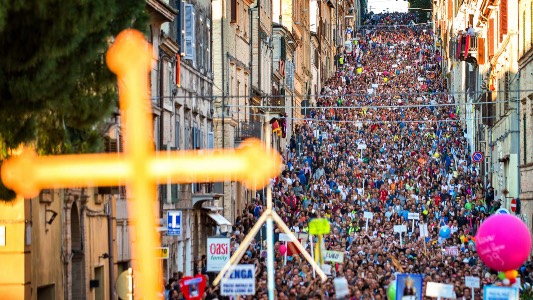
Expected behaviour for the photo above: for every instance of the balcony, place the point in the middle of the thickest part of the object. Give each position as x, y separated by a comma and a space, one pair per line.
464, 48
250, 129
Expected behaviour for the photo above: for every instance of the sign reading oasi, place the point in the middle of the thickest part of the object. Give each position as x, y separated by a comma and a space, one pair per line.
334, 256
218, 253
319, 226
241, 281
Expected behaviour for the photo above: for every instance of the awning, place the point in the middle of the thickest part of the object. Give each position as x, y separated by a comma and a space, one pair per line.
219, 219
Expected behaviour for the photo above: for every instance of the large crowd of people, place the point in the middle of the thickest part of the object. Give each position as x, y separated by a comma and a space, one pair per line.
385, 138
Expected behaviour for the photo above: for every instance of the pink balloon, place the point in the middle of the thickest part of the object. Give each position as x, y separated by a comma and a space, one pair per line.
282, 249
503, 242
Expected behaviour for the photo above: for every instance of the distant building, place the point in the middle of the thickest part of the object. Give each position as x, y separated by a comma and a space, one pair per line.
232, 66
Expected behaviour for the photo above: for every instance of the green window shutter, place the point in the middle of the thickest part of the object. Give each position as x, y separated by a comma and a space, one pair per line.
163, 191
174, 193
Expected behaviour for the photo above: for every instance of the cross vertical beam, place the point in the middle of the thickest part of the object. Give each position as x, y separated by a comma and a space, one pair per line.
129, 58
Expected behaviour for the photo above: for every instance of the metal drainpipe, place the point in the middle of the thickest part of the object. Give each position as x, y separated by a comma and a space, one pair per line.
250, 65
259, 56
110, 248
518, 141
110, 216
161, 121
223, 70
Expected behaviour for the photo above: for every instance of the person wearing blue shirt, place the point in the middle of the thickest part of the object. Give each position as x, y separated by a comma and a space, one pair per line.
303, 179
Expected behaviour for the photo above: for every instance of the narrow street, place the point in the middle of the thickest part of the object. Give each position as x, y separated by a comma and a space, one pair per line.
385, 138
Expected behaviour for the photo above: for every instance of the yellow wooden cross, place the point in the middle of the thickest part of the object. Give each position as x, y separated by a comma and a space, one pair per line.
140, 166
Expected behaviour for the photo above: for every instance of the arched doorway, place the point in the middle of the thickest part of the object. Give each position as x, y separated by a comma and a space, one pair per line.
78, 257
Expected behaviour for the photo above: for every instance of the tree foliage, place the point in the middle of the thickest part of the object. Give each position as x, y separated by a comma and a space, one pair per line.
424, 4
55, 88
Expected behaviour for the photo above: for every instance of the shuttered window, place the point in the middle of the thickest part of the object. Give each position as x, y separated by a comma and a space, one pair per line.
201, 45
524, 130
207, 45
195, 143
186, 138
178, 135
506, 92
523, 33
481, 51
491, 38
234, 11
174, 189
210, 140
503, 18
178, 23
190, 40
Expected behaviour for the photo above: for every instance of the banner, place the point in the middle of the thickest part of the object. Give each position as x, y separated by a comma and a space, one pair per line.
500, 293
334, 256
440, 290
472, 282
193, 287
409, 286
239, 281
341, 287
218, 253
451, 251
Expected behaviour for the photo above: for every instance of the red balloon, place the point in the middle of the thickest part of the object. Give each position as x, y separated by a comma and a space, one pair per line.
193, 287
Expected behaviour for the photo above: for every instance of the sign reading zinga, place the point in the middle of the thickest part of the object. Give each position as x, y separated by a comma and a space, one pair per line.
218, 253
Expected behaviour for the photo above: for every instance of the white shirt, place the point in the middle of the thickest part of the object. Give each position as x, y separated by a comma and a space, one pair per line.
288, 180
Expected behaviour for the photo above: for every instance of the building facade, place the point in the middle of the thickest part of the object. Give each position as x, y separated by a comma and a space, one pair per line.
232, 85
479, 40
187, 125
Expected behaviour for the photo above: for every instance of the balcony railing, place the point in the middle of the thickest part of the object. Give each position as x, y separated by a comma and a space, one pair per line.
464, 47
250, 129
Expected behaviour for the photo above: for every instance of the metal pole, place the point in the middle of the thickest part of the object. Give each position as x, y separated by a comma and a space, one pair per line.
518, 130
223, 71
285, 255
269, 222
110, 249
270, 254
312, 253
